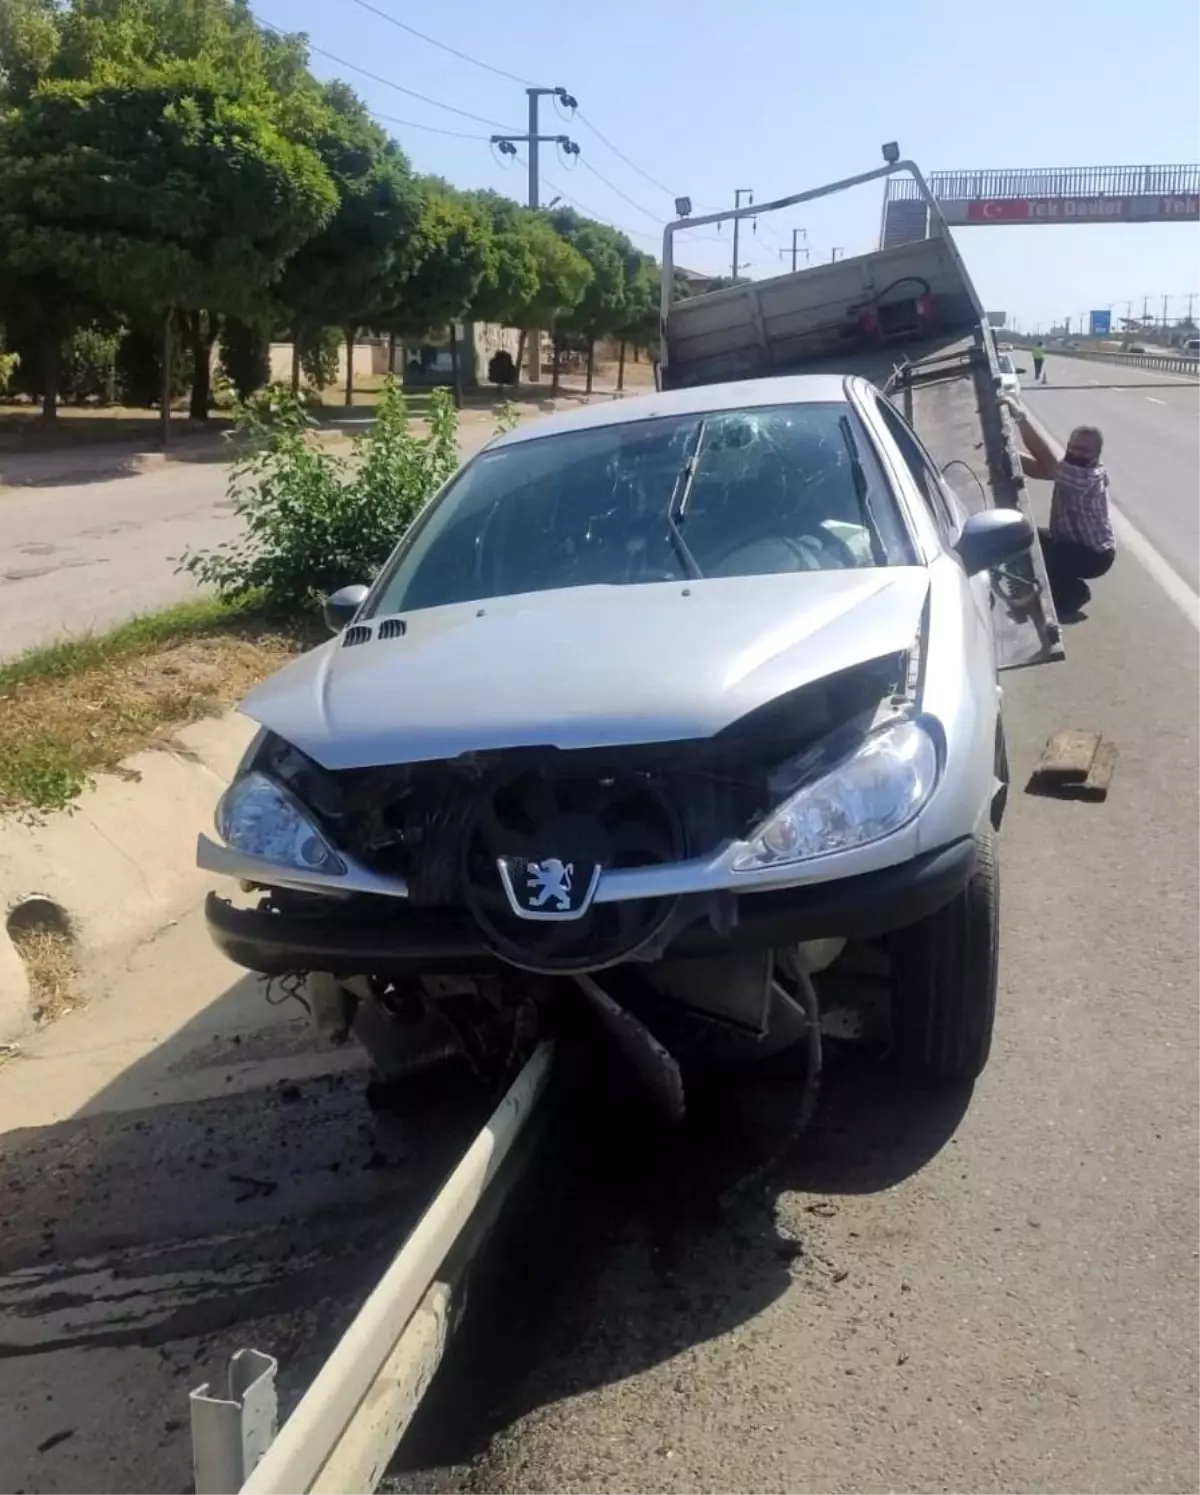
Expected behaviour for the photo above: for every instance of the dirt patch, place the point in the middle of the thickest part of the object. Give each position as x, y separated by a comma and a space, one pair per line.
64, 719
42, 937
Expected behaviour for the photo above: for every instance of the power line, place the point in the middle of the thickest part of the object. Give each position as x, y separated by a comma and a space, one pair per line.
411, 124
444, 46
387, 82
654, 217
620, 154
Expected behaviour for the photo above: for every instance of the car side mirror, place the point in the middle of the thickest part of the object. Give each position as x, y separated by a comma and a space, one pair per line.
993, 538
339, 609
1022, 371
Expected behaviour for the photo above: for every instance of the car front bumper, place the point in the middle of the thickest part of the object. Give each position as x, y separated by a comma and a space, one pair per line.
387, 936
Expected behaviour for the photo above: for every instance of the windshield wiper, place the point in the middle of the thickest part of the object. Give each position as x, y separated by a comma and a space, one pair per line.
862, 490
677, 508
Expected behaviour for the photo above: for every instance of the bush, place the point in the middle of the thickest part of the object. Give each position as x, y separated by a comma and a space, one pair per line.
319, 357
501, 368
9, 364
139, 368
89, 366
245, 357
313, 521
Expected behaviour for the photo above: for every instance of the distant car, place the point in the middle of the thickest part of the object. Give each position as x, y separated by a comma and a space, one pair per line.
1010, 381
1137, 348
1191, 349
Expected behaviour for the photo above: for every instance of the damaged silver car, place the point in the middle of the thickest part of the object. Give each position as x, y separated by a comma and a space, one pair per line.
675, 701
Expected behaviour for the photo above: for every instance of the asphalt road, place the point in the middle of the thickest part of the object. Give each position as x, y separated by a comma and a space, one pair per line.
1152, 444
988, 1291
78, 555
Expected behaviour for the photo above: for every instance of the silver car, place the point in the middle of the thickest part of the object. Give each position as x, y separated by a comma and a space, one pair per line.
696, 691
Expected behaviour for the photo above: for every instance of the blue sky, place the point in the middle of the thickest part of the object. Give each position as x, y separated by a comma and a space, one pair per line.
780, 95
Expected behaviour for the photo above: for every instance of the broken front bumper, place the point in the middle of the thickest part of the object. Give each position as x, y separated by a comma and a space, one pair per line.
386, 936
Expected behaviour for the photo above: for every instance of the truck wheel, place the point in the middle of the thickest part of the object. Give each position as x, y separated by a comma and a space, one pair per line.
944, 972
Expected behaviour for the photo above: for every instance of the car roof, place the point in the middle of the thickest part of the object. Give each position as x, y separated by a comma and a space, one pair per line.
793, 389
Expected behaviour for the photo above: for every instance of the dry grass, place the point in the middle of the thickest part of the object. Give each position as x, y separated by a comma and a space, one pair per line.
79, 708
49, 956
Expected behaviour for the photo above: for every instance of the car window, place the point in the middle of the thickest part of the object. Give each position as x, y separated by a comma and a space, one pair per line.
924, 472
1006, 364
728, 493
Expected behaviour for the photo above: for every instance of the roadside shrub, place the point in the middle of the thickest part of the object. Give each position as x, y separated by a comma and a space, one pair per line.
314, 521
501, 368
319, 357
139, 368
9, 363
89, 366
245, 357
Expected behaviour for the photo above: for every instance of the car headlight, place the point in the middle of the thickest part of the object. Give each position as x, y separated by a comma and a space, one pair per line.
871, 793
260, 817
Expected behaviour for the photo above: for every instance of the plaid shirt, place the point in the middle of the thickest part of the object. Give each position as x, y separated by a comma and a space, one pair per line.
1079, 507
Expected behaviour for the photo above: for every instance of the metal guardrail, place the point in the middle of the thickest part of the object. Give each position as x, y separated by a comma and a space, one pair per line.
1162, 362
344, 1430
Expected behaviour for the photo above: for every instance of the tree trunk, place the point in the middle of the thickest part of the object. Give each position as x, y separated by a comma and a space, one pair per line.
164, 389
554, 377
296, 356
533, 343
51, 367
621, 367
350, 332
455, 367
391, 353
202, 334
635, 352
591, 365
520, 352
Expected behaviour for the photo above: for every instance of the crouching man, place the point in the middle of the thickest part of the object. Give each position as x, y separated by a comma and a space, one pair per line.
1078, 545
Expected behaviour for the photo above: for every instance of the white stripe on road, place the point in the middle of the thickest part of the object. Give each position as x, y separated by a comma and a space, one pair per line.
1160, 569
1153, 401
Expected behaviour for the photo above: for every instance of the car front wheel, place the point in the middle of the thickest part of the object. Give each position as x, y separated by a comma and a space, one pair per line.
945, 971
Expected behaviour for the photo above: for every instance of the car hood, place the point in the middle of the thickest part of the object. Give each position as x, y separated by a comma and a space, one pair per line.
584, 667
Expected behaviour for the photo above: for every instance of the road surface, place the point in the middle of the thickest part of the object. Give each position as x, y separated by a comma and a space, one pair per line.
1152, 444
926, 1293
79, 555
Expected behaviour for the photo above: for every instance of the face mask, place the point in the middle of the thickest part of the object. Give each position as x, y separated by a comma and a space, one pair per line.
1080, 459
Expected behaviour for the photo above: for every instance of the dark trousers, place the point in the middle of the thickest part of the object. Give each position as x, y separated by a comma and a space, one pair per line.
1069, 568
1037, 368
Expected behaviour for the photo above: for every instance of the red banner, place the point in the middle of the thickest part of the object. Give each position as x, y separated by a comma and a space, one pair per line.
1179, 208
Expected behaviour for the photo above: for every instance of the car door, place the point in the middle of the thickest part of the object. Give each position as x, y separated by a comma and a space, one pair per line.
1021, 621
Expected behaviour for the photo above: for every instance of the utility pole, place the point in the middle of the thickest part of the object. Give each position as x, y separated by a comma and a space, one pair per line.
797, 235
1166, 299
1191, 301
507, 145
834, 252
741, 192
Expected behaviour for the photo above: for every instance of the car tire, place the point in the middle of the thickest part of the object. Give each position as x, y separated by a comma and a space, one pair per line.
944, 973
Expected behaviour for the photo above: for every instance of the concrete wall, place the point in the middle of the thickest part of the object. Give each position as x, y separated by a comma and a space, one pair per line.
366, 357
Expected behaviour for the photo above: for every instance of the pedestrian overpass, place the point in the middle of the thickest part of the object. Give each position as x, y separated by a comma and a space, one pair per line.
1038, 195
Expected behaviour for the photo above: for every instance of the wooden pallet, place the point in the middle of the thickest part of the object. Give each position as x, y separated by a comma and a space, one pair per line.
1075, 765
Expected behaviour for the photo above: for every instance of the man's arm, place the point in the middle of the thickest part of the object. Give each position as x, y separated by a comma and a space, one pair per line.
1041, 460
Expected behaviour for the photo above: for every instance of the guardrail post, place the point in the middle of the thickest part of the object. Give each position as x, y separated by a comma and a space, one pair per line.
231, 1434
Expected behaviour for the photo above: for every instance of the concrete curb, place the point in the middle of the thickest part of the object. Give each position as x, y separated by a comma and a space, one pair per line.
120, 863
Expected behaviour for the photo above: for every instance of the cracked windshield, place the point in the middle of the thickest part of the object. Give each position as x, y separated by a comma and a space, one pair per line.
734, 493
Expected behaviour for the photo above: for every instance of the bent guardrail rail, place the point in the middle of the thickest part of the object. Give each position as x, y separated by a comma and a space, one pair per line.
345, 1428
1164, 363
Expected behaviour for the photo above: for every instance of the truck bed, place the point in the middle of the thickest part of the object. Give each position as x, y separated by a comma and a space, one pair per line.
908, 320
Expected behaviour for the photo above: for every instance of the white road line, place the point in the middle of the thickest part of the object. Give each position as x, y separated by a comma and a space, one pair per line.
1159, 568
1153, 401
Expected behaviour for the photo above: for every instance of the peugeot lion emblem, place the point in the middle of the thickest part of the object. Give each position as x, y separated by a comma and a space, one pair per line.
548, 889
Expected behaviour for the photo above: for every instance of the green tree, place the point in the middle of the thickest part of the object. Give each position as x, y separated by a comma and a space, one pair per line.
441, 268
345, 275
604, 306
156, 199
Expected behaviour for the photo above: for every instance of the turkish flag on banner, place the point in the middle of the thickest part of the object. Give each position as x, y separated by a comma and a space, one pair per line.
1008, 210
